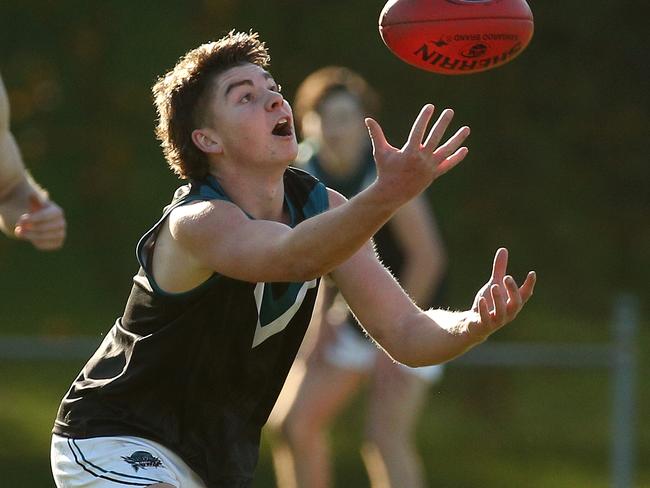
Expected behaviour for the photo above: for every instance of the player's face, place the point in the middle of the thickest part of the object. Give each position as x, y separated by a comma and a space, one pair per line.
342, 127
251, 119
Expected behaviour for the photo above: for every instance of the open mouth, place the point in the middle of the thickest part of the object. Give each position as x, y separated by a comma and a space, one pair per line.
282, 128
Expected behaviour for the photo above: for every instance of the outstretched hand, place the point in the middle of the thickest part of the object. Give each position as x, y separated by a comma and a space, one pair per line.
420, 161
44, 225
500, 299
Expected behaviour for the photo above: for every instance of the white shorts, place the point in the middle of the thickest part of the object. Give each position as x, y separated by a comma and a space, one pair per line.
350, 350
114, 462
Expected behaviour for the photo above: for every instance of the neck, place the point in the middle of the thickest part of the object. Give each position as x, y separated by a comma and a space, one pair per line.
342, 163
260, 195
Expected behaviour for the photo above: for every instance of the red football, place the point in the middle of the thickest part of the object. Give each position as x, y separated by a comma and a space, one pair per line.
456, 37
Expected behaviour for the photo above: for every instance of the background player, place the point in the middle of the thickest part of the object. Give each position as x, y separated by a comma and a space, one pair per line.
330, 107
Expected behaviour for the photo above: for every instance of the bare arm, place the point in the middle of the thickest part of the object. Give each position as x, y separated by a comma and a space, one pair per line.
25, 209
418, 338
424, 255
221, 238
12, 170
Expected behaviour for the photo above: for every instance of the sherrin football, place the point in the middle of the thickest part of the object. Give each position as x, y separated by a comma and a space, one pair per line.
456, 37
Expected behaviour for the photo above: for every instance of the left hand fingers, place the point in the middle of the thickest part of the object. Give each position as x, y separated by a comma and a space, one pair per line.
517, 297
527, 288
514, 296
500, 305
499, 265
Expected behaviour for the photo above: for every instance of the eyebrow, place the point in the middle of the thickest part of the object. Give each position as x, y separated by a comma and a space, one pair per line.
247, 81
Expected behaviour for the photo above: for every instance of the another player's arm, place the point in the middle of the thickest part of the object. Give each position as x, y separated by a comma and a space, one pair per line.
25, 209
13, 176
424, 255
417, 338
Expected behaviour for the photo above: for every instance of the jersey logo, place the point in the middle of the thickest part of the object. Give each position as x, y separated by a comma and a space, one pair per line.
142, 460
277, 303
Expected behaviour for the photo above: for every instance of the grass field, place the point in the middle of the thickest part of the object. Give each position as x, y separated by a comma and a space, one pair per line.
494, 427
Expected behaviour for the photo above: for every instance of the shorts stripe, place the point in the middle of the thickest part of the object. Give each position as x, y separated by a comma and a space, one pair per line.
147, 481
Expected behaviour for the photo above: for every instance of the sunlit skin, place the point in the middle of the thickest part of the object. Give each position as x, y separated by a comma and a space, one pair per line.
26, 211
245, 107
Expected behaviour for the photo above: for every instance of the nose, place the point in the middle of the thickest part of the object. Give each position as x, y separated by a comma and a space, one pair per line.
274, 100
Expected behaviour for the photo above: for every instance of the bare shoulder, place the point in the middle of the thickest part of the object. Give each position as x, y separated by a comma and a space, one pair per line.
194, 222
184, 238
335, 198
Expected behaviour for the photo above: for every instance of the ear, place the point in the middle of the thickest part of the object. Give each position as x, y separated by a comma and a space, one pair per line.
206, 141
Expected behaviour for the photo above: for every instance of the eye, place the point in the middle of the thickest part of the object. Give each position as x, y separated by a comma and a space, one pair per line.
246, 98
276, 88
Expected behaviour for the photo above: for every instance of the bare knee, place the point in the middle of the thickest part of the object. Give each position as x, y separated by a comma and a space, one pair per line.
386, 437
301, 431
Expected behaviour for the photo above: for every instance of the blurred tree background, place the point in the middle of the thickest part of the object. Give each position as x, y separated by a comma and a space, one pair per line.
558, 172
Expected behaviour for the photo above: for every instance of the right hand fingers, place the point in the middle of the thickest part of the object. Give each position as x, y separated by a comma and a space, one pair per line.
438, 130
454, 142
379, 142
414, 140
451, 161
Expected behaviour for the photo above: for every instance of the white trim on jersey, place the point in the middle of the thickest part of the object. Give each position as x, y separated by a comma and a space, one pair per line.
279, 324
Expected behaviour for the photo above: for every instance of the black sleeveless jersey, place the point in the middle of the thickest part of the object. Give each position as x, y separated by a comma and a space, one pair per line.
388, 248
200, 371
385, 241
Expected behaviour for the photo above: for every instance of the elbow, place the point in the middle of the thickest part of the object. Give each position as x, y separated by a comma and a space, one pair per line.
415, 361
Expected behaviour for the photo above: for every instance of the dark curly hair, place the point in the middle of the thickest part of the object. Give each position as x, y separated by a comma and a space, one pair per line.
180, 96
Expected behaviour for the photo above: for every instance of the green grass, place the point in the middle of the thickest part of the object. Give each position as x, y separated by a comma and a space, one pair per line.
29, 396
516, 428
481, 428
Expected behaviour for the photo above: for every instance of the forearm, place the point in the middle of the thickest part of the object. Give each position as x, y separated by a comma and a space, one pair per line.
433, 337
16, 185
327, 240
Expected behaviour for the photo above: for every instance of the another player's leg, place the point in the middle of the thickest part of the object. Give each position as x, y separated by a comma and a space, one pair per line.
396, 399
302, 456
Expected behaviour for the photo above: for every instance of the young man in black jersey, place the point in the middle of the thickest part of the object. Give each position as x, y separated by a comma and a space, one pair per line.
178, 391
